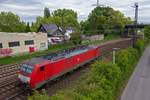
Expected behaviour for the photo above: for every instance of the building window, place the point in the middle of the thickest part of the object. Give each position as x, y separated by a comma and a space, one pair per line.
1, 46
42, 45
14, 44
29, 42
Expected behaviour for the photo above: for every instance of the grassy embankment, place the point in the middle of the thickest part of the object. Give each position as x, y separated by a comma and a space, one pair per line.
104, 81
52, 48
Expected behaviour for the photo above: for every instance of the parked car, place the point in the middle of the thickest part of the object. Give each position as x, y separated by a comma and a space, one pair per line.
54, 40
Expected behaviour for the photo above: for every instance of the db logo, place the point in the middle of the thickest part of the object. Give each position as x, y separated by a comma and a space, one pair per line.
78, 59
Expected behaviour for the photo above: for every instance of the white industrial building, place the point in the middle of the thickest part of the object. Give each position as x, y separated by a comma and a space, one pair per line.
17, 43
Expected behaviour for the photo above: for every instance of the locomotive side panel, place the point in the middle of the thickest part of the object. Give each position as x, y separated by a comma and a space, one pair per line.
56, 68
84, 57
50, 70
60, 67
38, 76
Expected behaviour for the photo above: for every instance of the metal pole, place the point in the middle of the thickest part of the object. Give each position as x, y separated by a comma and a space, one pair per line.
135, 23
136, 13
97, 3
114, 54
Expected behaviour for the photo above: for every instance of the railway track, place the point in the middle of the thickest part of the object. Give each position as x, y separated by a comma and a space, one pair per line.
8, 73
9, 90
3, 67
18, 96
8, 70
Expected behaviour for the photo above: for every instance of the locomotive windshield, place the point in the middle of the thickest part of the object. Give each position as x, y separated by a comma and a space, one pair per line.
26, 68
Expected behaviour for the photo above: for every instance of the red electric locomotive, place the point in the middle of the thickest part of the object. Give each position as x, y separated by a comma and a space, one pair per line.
38, 71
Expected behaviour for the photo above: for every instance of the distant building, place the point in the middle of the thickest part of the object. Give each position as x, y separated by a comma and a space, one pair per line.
55, 34
17, 43
51, 30
68, 32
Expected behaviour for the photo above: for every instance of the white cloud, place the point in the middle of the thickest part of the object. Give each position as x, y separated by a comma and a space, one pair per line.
28, 10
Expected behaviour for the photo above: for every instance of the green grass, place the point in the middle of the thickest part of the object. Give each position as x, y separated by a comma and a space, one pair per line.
111, 36
52, 48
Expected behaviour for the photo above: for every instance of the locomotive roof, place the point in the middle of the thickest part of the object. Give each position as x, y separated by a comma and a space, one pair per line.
34, 61
59, 55
67, 53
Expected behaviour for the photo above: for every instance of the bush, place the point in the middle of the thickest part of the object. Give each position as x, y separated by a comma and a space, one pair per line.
140, 45
133, 55
147, 32
122, 60
102, 69
76, 38
126, 59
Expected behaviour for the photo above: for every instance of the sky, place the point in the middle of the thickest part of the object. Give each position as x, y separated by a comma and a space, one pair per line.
28, 10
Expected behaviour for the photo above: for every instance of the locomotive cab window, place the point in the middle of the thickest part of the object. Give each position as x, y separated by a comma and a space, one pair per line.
27, 68
42, 68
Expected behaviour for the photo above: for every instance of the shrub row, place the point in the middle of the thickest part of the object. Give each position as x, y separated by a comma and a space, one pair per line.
105, 78
147, 33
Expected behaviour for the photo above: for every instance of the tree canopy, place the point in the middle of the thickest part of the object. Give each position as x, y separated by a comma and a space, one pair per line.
46, 12
68, 16
10, 22
28, 27
104, 20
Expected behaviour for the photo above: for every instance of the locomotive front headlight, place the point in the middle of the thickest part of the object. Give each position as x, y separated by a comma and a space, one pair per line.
28, 79
19, 76
24, 79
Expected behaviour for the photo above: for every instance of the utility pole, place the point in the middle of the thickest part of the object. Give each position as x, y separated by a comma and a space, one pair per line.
136, 13
135, 22
98, 4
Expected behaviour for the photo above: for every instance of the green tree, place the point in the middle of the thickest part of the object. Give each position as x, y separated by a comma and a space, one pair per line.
69, 19
10, 22
28, 27
46, 12
104, 20
39, 21
68, 16
65, 12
